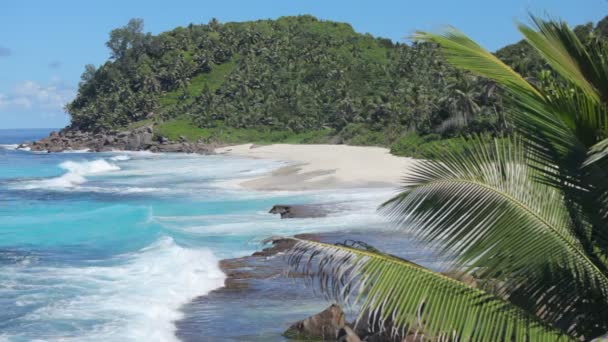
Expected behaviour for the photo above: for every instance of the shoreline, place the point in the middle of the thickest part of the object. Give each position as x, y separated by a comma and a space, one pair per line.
258, 277
321, 167
262, 274
311, 166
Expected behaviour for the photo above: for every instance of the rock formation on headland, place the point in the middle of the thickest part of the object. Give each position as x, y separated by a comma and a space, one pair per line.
327, 325
138, 139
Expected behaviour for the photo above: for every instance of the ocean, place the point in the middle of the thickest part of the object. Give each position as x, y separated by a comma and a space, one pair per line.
113, 246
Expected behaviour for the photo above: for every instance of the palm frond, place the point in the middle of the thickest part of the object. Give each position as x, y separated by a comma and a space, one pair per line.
485, 208
464, 53
413, 298
597, 154
559, 127
565, 53
535, 220
596, 169
561, 48
560, 114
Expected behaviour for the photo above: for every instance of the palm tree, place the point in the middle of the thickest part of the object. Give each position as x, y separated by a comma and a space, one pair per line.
461, 101
525, 215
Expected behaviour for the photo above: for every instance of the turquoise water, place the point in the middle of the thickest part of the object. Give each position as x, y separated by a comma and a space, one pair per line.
111, 246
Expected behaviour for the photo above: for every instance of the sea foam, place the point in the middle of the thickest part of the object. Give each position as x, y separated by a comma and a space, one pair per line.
9, 146
138, 299
75, 175
14, 147
120, 158
135, 294
88, 167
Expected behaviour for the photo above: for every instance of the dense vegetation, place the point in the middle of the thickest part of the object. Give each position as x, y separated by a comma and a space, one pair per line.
295, 79
525, 216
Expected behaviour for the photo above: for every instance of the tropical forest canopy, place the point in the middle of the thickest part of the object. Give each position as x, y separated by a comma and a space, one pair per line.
296, 75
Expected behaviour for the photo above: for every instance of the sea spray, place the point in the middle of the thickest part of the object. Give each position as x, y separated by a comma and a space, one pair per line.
75, 175
9, 146
136, 298
120, 158
88, 167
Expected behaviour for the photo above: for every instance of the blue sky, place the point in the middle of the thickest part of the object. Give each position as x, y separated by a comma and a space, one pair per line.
44, 45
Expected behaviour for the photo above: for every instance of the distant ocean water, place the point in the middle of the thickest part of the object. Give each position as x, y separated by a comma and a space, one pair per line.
111, 246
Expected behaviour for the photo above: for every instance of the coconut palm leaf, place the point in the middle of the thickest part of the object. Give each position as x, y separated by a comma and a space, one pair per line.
560, 126
595, 167
565, 53
398, 293
579, 107
529, 109
561, 130
597, 154
484, 208
546, 109
464, 53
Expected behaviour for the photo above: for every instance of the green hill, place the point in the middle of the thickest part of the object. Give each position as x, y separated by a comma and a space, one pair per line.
294, 79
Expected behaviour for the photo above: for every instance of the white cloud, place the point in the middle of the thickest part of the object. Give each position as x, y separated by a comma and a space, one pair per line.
33, 96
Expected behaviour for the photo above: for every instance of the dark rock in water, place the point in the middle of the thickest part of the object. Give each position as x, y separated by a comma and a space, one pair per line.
414, 338
346, 334
261, 302
278, 245
387, 337
372, 331
299, 210
281, 244
255, 285
240, 269
324, 326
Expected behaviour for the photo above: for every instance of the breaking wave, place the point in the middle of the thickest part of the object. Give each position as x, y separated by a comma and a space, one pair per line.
75, 175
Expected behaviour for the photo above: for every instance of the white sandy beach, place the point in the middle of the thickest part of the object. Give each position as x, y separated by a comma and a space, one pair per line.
324, 166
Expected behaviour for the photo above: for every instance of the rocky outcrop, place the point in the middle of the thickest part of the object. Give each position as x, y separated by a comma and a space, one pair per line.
373, 331
279, 245
258, 282
252, 282
239, 271
138, 139
346, 334
325, 326
299, 210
